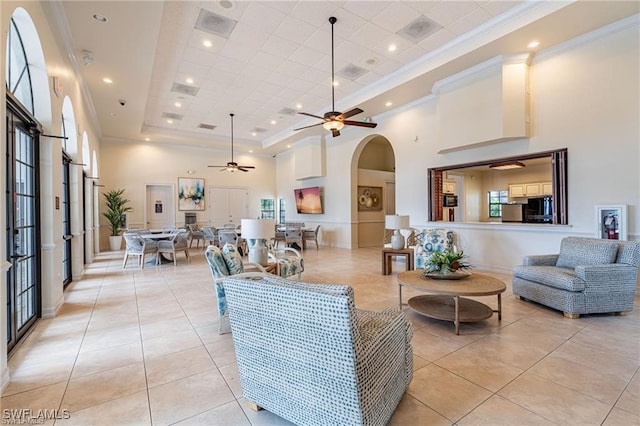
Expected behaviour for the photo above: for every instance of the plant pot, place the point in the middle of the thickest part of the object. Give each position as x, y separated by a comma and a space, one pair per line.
115, 242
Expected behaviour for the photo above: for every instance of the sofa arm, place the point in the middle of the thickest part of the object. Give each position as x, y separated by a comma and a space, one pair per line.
385, 344
607, 277
540, 260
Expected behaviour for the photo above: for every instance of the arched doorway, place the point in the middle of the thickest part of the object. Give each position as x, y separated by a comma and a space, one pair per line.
374, 182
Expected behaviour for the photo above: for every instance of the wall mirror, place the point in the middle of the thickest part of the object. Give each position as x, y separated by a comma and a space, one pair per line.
529, 188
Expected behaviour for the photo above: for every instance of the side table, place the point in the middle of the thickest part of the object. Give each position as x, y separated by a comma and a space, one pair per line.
387, 255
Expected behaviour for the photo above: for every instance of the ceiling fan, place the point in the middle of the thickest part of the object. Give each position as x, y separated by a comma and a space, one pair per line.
231, 165
335, 120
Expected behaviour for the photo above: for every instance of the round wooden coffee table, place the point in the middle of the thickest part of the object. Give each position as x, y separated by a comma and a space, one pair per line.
444, 301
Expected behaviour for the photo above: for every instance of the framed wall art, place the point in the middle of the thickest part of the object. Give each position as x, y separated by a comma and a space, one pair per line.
190, 194
369, 198
611, 222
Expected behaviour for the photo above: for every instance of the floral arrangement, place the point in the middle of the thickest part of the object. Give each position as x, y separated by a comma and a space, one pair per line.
446, 262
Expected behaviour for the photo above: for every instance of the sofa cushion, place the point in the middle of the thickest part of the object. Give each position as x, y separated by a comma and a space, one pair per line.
552, 276
216, 262
575, 251
233, 259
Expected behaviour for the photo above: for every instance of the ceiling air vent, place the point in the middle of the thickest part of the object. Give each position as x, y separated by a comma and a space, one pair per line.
184, 89
172, 115
352, 72
206, 126
419, 29
287, 111
214, 23
259, 130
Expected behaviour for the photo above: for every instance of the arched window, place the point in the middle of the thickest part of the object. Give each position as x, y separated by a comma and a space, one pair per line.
18, 76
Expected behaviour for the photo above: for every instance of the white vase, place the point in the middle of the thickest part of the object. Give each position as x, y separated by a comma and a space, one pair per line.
115, 242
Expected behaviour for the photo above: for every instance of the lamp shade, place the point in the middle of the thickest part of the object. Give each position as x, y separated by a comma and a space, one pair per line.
394, 221
258, 229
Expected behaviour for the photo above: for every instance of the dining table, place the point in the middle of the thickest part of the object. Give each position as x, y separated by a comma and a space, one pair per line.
159, 237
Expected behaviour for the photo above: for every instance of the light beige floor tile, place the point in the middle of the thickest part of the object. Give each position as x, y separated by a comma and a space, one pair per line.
554, 402
46, 397
167, 368
432, 347
630, 399
222, 351
35, 375
230, 374
164, 326
499, 411
130, 410
490, 373
90, 362
171, 343
102, 339
262, 417
185, 398
225, 415
410, 411
451, 396
94, 389
600, 385
518, 353
619, 417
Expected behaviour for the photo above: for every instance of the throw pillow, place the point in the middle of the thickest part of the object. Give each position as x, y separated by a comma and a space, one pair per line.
216, 261
576, 251
233, 259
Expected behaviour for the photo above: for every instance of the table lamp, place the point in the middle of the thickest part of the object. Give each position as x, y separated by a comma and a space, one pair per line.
257, 232
396, 222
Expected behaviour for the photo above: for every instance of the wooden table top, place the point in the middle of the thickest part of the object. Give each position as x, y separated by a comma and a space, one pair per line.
473, 285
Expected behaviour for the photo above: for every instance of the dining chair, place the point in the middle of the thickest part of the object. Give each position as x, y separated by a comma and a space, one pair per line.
210, 237
178, 242
293, 236
279, 235
311, 235
196, 234
138, 246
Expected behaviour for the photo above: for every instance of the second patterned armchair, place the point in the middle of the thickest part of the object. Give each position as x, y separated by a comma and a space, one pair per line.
289, 261
429, 241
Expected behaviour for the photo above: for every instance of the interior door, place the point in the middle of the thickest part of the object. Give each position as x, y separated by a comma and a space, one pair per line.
227, 205
238, 207
160, 206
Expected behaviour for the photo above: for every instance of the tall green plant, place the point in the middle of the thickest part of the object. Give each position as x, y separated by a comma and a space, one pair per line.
116, 208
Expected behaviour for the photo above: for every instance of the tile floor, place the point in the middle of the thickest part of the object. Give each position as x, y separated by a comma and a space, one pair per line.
134, 347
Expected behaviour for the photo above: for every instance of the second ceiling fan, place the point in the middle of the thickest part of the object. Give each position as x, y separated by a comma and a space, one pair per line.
335, 120
232, 166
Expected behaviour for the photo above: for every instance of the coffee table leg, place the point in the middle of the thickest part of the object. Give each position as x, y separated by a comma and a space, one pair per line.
499, 307
456, 321
400, 296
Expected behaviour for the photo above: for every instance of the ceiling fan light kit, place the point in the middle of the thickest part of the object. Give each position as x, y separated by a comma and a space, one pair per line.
334, 120
232, 166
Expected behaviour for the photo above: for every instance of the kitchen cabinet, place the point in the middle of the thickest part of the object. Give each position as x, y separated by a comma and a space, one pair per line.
530, 189
448, 187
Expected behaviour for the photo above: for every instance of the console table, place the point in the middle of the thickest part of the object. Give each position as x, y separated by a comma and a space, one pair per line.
387, 255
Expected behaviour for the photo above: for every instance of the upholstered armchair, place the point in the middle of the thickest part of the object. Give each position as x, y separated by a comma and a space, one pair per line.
429, 241
179, 242
138, 246
197, 235
209, 235
587, 276
222, 265
306, 354
288, 261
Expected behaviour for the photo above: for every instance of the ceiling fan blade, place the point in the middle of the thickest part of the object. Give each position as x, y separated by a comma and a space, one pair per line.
350, 113
311, 115
216, 166
242, 169
359, 123
306, 127
248, 167
335, 133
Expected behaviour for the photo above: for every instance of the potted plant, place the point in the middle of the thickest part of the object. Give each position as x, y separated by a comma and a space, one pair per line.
117, 206
446, 262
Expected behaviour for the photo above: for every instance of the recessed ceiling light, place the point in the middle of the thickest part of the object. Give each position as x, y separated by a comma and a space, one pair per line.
207, 43
147, 139
288, 146
254, 134
170, 121
189, 80
250, 151
299, 106
336, 83
392, 48
113, 114
273, 121
178, 104
533, 44
226, 4
99, 18
388, 103
107, 80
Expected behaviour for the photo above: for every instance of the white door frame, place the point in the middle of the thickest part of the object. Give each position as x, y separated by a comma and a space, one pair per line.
171, 186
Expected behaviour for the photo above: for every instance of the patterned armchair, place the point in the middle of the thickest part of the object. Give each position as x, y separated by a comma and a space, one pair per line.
345, 367
288, 261
224, 263
429, 241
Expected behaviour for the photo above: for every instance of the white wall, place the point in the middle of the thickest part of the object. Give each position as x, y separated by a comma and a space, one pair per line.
133, 165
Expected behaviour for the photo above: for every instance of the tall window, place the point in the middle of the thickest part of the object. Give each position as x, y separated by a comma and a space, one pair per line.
18, 76
281, 214
267, 208
496, 199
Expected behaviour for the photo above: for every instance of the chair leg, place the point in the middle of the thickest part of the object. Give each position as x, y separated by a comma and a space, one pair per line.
254, 406
570, 315
126, 255
141, 261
